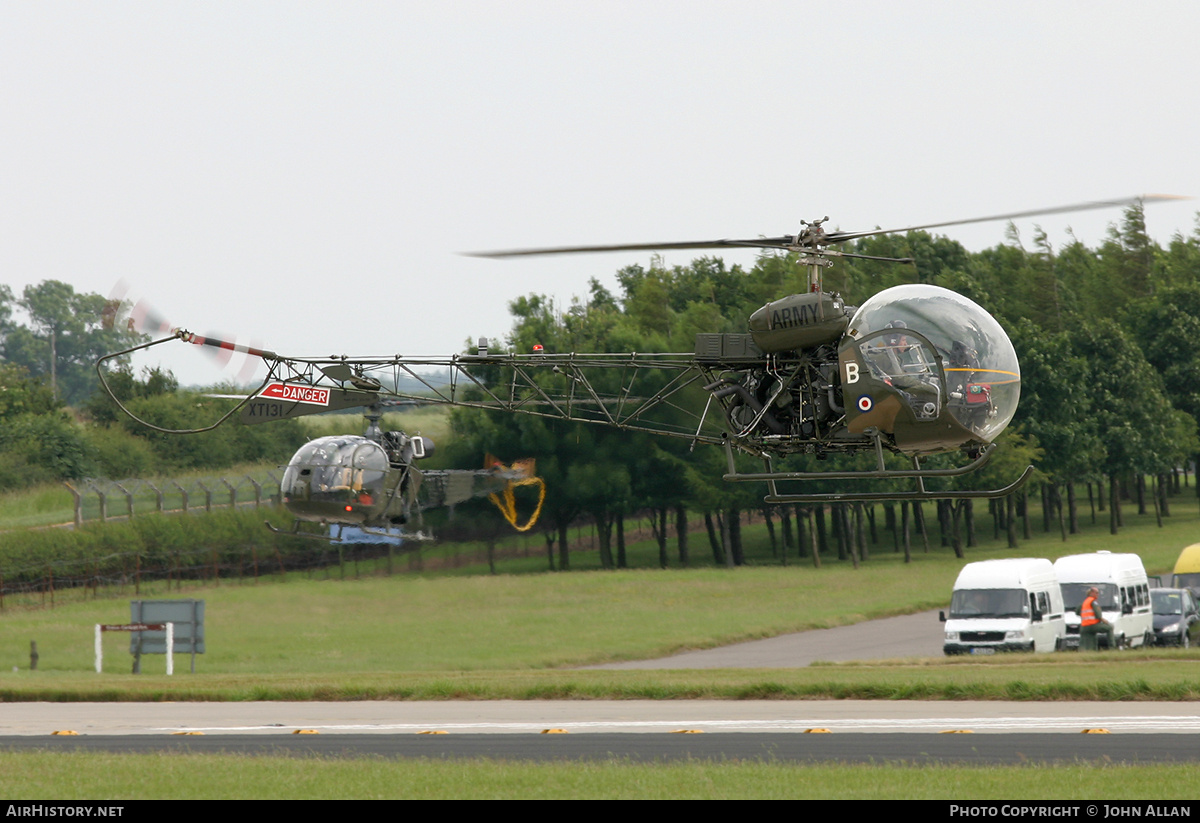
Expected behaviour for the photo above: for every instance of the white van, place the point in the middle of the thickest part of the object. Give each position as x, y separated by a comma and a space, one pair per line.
1005, 605
1124, 595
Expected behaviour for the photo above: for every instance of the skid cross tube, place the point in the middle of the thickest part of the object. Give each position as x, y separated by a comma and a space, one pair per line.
864, 474
875, 497
771, 477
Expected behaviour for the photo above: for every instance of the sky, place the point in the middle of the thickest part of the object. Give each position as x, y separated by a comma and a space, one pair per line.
305, 175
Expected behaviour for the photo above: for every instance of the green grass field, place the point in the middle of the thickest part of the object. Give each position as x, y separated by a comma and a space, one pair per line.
37, 776
455, 631
460, 632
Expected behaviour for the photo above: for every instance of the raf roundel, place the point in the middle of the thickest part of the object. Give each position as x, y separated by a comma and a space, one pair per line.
865, 403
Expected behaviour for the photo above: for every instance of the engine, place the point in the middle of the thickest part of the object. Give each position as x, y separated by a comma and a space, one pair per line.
793, 395
781, 381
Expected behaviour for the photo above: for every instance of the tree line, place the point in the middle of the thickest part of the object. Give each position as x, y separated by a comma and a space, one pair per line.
1106, 338
57, 424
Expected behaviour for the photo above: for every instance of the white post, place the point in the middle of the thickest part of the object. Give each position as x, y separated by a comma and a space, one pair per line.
98, 647
170, 649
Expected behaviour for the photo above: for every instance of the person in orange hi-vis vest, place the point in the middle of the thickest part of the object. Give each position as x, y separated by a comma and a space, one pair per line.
1092, 623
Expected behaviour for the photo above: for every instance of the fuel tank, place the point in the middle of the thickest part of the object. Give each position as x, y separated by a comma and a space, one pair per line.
799, 321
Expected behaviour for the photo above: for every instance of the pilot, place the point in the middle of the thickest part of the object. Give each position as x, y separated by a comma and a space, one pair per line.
961, 357
973, 398
899, 340
884, 356
906, 353
908, 372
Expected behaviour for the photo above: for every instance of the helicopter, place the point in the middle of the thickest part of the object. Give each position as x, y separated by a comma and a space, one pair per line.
367, 483
914, 371
371, 482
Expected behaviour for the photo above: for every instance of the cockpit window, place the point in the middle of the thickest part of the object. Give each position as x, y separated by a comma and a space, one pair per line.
338, 467
982, 377
907, 364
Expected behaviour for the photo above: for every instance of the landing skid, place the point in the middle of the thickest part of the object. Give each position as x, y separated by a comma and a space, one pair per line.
295, 532
881, 472
329, 538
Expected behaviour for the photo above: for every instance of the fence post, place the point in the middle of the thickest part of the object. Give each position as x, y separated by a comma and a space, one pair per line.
257, 491
78, 504
207, 495
158, 496
128, 498
183, 493
103, 498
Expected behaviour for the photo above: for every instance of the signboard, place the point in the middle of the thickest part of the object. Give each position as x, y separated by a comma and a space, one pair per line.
299, 393
186, 630
133, 627
187, 615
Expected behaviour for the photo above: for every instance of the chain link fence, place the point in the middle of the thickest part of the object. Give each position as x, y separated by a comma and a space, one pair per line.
101, 499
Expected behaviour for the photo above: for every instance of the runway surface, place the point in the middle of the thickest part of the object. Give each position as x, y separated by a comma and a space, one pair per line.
792, 731
499, 717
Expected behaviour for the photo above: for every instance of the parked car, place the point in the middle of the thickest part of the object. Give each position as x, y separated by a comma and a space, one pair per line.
1176, 617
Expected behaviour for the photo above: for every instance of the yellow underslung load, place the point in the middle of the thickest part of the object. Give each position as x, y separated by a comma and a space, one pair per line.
506, 500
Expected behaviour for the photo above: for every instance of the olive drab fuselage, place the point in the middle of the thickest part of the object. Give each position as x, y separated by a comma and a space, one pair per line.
919, 367
929, 367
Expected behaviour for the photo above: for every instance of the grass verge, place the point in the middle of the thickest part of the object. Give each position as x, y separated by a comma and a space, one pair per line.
80, 776
1152, 675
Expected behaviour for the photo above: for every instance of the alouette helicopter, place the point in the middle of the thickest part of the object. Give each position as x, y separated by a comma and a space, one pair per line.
916, 370
371, 482
367, 482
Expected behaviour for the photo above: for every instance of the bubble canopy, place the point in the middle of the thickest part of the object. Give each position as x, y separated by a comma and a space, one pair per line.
337, 467
982, 376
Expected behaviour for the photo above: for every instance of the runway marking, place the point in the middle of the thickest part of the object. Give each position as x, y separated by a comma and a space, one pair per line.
1164, 723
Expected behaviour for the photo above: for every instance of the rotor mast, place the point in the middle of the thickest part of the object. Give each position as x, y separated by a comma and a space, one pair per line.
808, 245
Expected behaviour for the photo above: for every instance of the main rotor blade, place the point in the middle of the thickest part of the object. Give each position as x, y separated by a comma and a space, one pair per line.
794, 243
843, 236
764, 243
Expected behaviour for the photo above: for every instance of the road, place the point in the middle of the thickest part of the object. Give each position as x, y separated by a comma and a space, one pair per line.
912, 635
